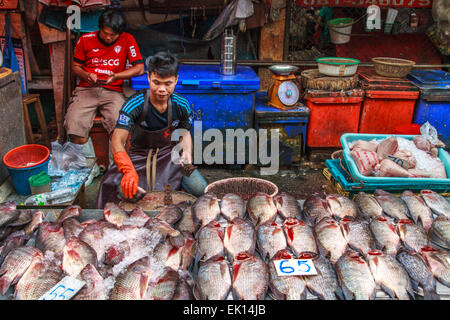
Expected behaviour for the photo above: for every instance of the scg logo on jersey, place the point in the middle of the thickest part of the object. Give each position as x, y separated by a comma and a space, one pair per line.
111, 62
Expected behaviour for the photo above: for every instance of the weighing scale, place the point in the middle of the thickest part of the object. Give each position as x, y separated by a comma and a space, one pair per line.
284, 93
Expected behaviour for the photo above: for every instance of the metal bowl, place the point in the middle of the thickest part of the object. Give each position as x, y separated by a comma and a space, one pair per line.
283, 69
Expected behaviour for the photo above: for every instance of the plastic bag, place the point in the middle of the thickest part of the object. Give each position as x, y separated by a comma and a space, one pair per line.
226, 19
67, 157
430, 133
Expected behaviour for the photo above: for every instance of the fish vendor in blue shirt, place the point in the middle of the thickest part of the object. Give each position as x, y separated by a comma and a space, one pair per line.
154, 160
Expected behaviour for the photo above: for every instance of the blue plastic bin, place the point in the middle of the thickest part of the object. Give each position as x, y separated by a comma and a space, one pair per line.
347, 138
20, 177
433, 104
218, 101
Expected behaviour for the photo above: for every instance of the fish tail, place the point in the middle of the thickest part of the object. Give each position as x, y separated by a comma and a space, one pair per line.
5, 282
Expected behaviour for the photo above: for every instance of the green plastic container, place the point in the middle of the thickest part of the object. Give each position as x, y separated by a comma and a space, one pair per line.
40, 183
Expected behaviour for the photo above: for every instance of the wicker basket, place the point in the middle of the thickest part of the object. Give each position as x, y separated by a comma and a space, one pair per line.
242, 186
392, 67
339, 154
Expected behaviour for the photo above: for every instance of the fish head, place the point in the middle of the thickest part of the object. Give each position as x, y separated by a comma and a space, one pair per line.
292, 222
308, 255
282, 255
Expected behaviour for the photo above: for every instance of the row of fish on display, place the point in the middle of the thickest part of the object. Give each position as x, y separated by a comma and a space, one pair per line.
226, 248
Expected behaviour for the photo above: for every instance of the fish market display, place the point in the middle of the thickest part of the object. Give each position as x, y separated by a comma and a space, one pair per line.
214, 279
418, 210
355, 278
225, 249
330, 239
270, 239
390, 275
418, 272
285, 287
261, 208
299, 236
287, 205
368, 205
325, 284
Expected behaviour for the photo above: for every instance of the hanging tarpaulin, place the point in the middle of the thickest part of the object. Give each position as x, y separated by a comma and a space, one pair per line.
10, 59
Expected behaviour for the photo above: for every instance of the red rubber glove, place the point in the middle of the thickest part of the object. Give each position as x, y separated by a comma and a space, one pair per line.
130, 180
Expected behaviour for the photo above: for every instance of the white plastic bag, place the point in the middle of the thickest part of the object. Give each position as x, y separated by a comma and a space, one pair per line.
67, 157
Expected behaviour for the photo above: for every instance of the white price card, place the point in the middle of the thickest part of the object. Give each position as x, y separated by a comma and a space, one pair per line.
64, 290
295, 267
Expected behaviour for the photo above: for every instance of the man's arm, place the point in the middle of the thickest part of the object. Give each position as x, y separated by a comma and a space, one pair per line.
134, 71
118, 139
90, 78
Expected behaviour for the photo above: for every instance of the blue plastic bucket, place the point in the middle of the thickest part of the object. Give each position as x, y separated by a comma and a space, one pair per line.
20, 177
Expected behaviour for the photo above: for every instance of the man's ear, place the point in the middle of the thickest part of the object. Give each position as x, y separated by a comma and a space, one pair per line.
176, 79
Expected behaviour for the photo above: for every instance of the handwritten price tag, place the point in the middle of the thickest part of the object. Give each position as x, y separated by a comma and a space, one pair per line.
295, 267
64, 290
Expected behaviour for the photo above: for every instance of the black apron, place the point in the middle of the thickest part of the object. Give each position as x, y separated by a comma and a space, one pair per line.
147, 147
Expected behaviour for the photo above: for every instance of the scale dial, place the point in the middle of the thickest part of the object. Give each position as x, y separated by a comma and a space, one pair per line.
288, 93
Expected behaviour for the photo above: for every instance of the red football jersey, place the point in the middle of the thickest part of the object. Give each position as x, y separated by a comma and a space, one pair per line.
102, 59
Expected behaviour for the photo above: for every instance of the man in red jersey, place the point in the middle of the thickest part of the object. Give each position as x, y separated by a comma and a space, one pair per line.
99, 62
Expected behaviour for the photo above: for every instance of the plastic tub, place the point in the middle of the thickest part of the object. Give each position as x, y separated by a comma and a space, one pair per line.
348, 138
40, 183
340, 30
337, 67
20, 177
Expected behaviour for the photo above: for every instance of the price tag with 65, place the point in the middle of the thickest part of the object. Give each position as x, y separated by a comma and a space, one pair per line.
64, 290
295, 267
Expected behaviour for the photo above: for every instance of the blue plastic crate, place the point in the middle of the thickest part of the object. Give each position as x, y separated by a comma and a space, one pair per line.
348, 138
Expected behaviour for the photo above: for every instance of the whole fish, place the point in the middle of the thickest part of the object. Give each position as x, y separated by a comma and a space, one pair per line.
50, 237
188, 222
137, 218
36, 220
24, 217
358, 235
355, 277
440, 231
15, 265
77, 254
250, 277
436, 202
210, 240
239, 236
92, 234
418, 272
341, 206
206, 209
40, 277
287, 205
438, 262
14, 240
315, 209
214, 279
392, 205
299, 236
330, 240
94, 289
385, 235
163, 287
390, 275
162, 227
285, 287
7, 217
132, 284
261, 209
169, 255
113, 214
270, 238
69, 212
418, 210
232, 206
324, 284
184, 287
413, 236
170, 214
72, 228
187, 243
368, 207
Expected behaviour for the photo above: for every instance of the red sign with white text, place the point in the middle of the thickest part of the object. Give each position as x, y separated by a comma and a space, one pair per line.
366, 3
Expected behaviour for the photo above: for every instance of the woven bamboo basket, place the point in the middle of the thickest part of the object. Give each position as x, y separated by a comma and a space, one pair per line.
242, 186
392, 67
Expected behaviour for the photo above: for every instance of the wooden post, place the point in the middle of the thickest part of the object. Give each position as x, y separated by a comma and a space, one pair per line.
271, 47
57, 56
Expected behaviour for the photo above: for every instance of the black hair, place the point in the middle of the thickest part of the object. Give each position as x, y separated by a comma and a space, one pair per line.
112, 19
163, 64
